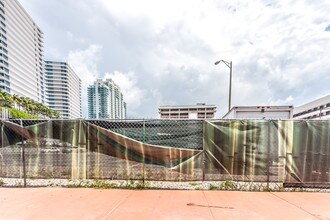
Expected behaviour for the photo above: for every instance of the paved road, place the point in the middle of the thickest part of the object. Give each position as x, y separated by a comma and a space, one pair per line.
63, 203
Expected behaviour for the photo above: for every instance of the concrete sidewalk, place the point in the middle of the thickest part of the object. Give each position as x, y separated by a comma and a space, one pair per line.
63, 203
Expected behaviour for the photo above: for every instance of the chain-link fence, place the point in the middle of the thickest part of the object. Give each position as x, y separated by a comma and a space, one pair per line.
38, 152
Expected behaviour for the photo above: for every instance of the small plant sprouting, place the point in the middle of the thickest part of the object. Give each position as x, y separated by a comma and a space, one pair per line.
228, 185
194, 184
99, 184
213, 187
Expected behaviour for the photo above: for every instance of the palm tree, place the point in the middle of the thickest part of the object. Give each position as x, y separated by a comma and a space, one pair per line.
18, 101
24, 103
43, 110
55, 114
32, 106
38, 108
28, 105
8, 101
47, 112
5, 99
2, 97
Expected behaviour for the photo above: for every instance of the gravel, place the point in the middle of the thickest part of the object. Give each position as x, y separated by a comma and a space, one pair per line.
139, 184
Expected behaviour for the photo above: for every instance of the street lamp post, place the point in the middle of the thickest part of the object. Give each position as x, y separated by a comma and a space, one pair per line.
230, 66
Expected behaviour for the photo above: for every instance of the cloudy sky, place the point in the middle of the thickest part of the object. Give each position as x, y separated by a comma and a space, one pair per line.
163, 52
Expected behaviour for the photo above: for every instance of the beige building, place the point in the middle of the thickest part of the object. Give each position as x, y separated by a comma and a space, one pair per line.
198, 111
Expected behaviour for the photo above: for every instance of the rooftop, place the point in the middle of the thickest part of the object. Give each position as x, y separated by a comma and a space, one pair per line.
198, 105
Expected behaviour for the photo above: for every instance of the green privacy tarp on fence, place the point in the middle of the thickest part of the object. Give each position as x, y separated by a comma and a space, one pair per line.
246, 150
77, 149
286, 151
311, 152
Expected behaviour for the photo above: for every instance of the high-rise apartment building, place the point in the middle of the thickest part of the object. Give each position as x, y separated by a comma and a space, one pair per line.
21, 52
63, 89
105, 100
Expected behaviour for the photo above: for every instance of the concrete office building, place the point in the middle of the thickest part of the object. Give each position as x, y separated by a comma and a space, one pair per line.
317, 109
21, 52
105, 100
199, 111
63, 89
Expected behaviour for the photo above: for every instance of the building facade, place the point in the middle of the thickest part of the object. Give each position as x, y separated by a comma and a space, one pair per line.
21, 52
260, 112
63, 89
199, 111
317, 109
105, 100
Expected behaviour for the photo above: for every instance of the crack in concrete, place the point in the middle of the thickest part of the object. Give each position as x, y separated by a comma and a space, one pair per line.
210, 206
116, 206
296, 206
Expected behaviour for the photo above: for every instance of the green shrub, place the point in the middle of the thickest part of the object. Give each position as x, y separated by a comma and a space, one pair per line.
19, 114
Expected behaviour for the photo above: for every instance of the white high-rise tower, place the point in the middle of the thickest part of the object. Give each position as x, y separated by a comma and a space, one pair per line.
63, 88
21, 52
105, 100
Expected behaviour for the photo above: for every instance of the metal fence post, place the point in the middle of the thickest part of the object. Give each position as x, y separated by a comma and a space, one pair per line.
268, 153
86, 125
203, 158
1, 154
143, 170
23, 153
144, 130
144, 136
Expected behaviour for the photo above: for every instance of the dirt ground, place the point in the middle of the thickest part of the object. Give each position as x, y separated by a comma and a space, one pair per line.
65, 203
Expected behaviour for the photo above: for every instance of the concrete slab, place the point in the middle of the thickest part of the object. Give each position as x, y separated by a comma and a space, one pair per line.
64, 203
316, 204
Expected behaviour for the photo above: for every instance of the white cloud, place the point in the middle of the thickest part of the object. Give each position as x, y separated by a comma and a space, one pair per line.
84, 63
165, 50
133, 94
287, 101
69, 35
73, 38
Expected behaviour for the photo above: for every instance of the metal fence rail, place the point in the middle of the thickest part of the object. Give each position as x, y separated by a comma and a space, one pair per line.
293, 153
